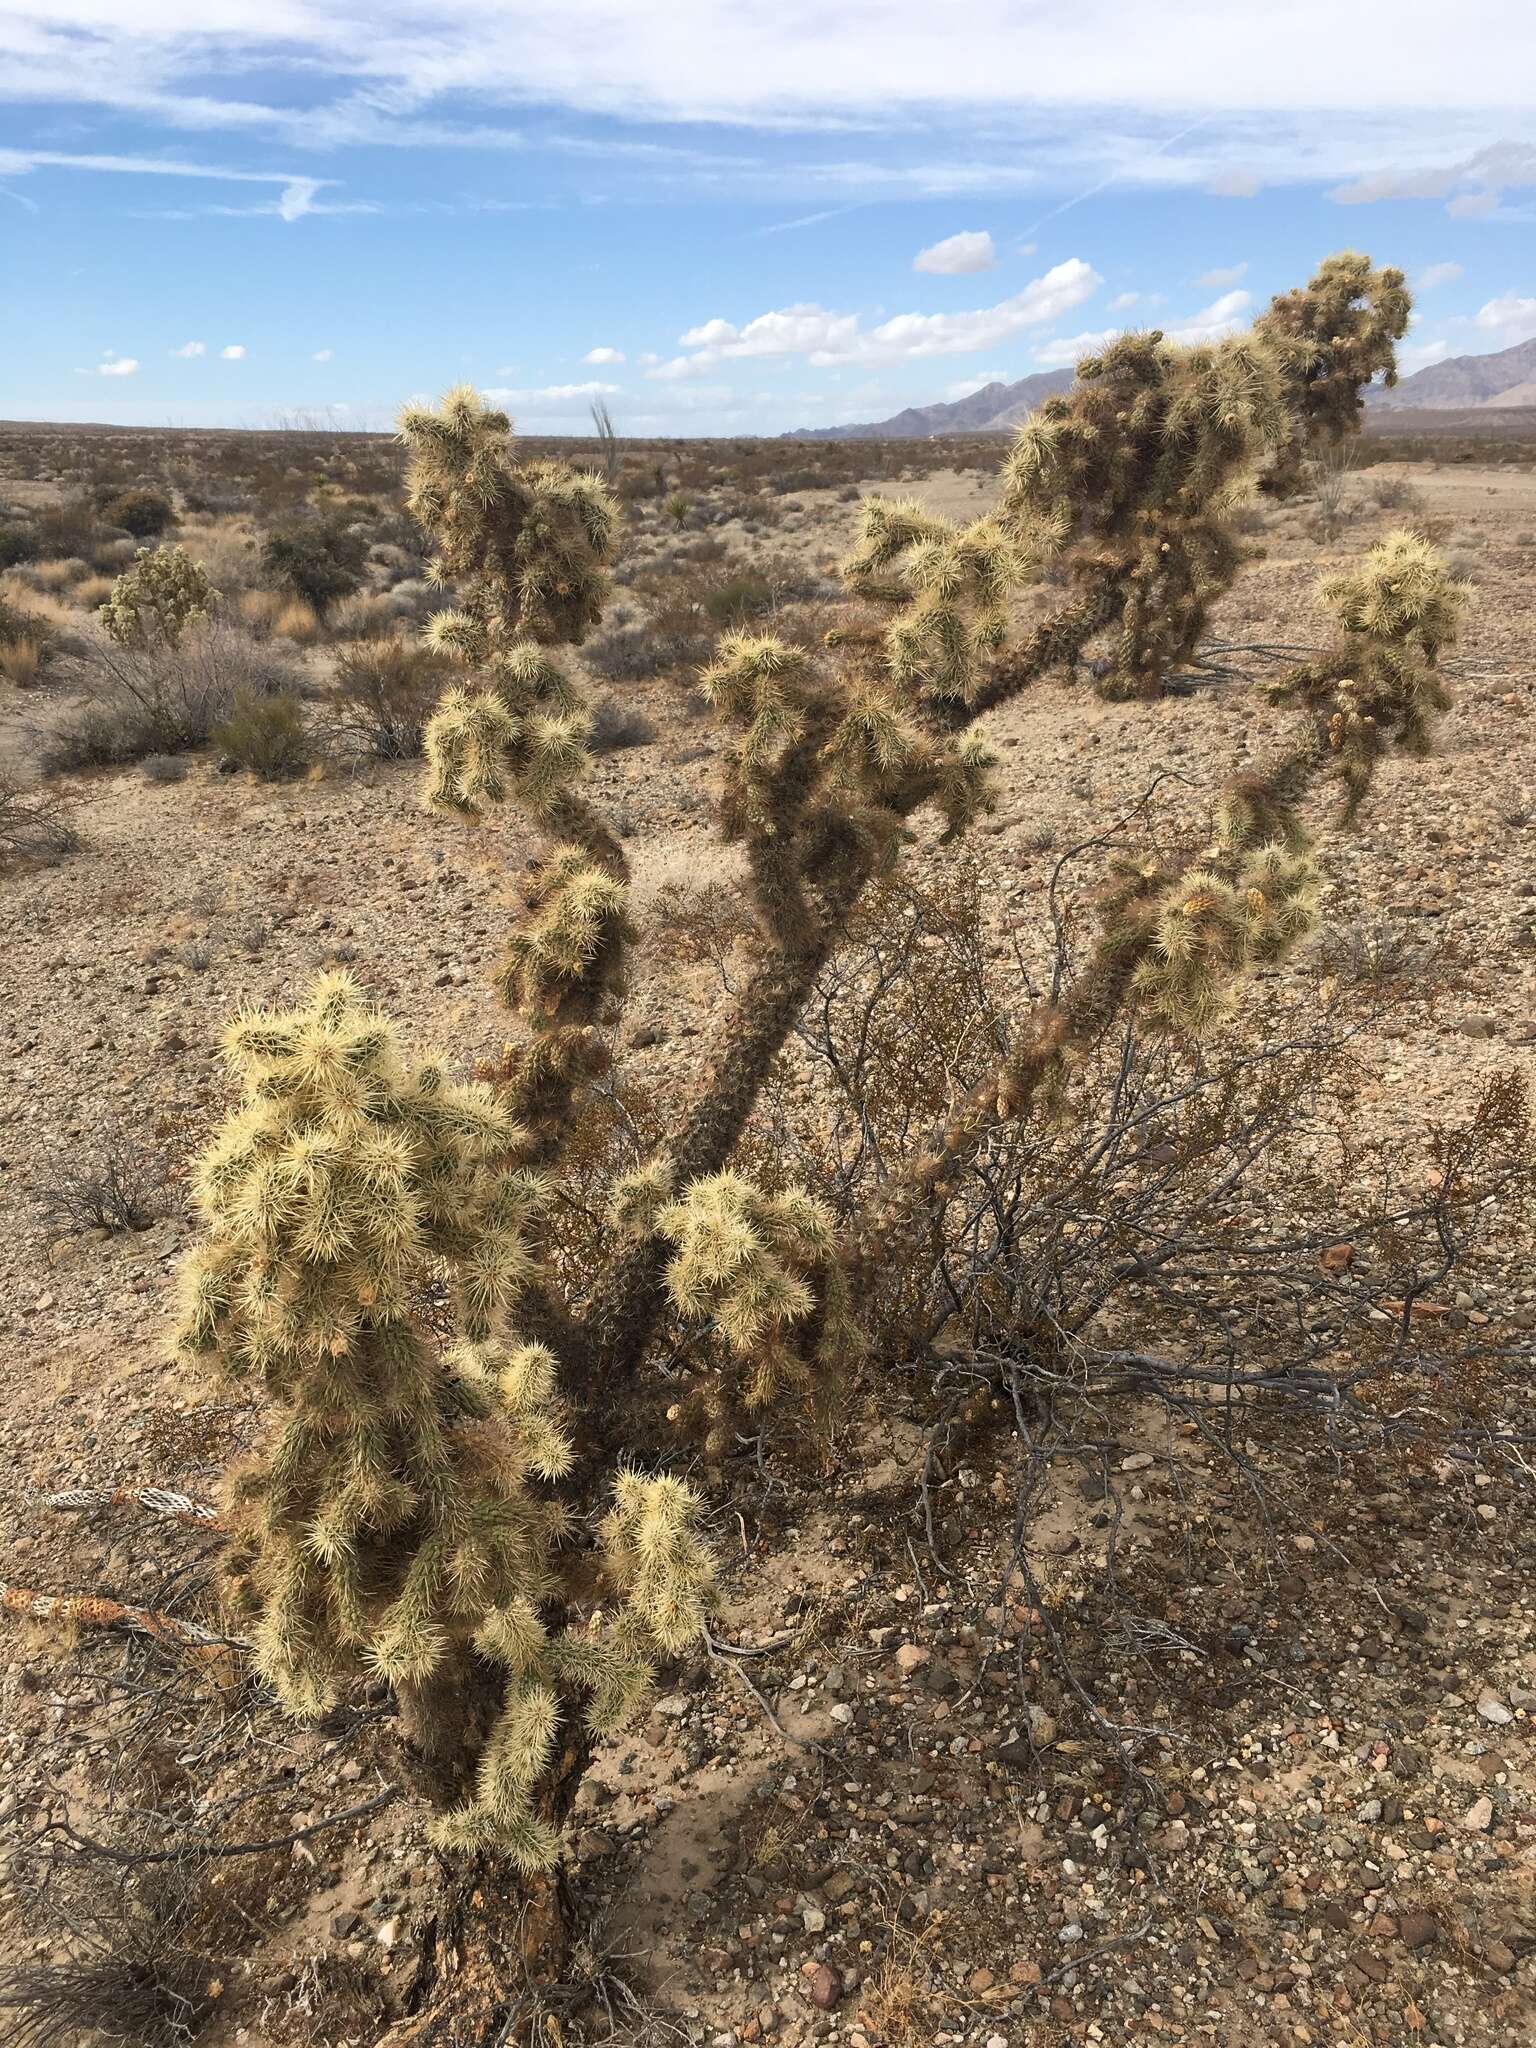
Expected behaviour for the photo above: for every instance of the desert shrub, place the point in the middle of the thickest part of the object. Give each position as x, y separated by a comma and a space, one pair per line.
384, 691
20, 541
163, 768
142, 511
71, 529
152, 604
616, 725
21, 661
265, 734
138, 1966
117, 1185
319, 561
20, 623
34, 825
138, 700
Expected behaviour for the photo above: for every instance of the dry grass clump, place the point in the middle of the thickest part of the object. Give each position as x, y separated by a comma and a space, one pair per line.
298, 622
56, 573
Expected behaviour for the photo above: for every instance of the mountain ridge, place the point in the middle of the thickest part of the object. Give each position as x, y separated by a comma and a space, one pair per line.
1504, 378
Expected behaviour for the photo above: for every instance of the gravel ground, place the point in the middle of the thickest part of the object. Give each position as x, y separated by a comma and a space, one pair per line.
935, 1848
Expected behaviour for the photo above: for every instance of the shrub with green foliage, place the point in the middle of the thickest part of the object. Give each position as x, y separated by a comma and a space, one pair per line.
266, 735
142, 511
319, 561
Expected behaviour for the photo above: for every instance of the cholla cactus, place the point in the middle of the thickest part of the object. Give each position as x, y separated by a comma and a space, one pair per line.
405, 1517
409, 1516
1330, 337
952, 585
763, 1272
529, 545
1128, 482
158, 598
1380, 683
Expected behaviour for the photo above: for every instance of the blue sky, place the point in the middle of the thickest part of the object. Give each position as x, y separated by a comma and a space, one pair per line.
721, 218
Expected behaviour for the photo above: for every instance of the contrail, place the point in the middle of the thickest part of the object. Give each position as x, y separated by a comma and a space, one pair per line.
1094, 190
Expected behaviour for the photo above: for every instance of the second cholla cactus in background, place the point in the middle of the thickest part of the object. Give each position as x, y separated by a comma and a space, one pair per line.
155, 600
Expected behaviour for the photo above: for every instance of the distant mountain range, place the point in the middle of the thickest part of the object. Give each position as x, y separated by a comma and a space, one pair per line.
1467, 383
1464, 383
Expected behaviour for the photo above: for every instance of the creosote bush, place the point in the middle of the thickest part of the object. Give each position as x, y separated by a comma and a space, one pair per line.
420, 1512
320, 561
266, 735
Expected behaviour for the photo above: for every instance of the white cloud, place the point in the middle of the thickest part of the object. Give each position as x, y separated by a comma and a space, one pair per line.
1071, 348
1511, 314
1235, 182
958, 255
824, 337
798, 64
1472, 185
603, 355
1028, 248
112, 365
234, 353
1124, 301
190, 348
1214, 320
322, 355
1437, 273
298, 198
550, 397
979, 382
1418, 355
1231, 273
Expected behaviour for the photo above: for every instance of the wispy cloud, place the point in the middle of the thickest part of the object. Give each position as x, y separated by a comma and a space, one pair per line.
603, 355
1434, 274
826, 337
1217, 280
1472, 185
322, 355
546, 398
296, 196
234, 352
1214, 320
958, 255
191, 348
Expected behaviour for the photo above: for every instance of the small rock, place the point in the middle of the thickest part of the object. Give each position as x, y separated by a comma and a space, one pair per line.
1418, 1930
825, 1987
813, 1920
1478, 1818
912, 1657
1491, 1708
1498, 1956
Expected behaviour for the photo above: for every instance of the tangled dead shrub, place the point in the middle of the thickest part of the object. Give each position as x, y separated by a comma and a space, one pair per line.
383, 692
